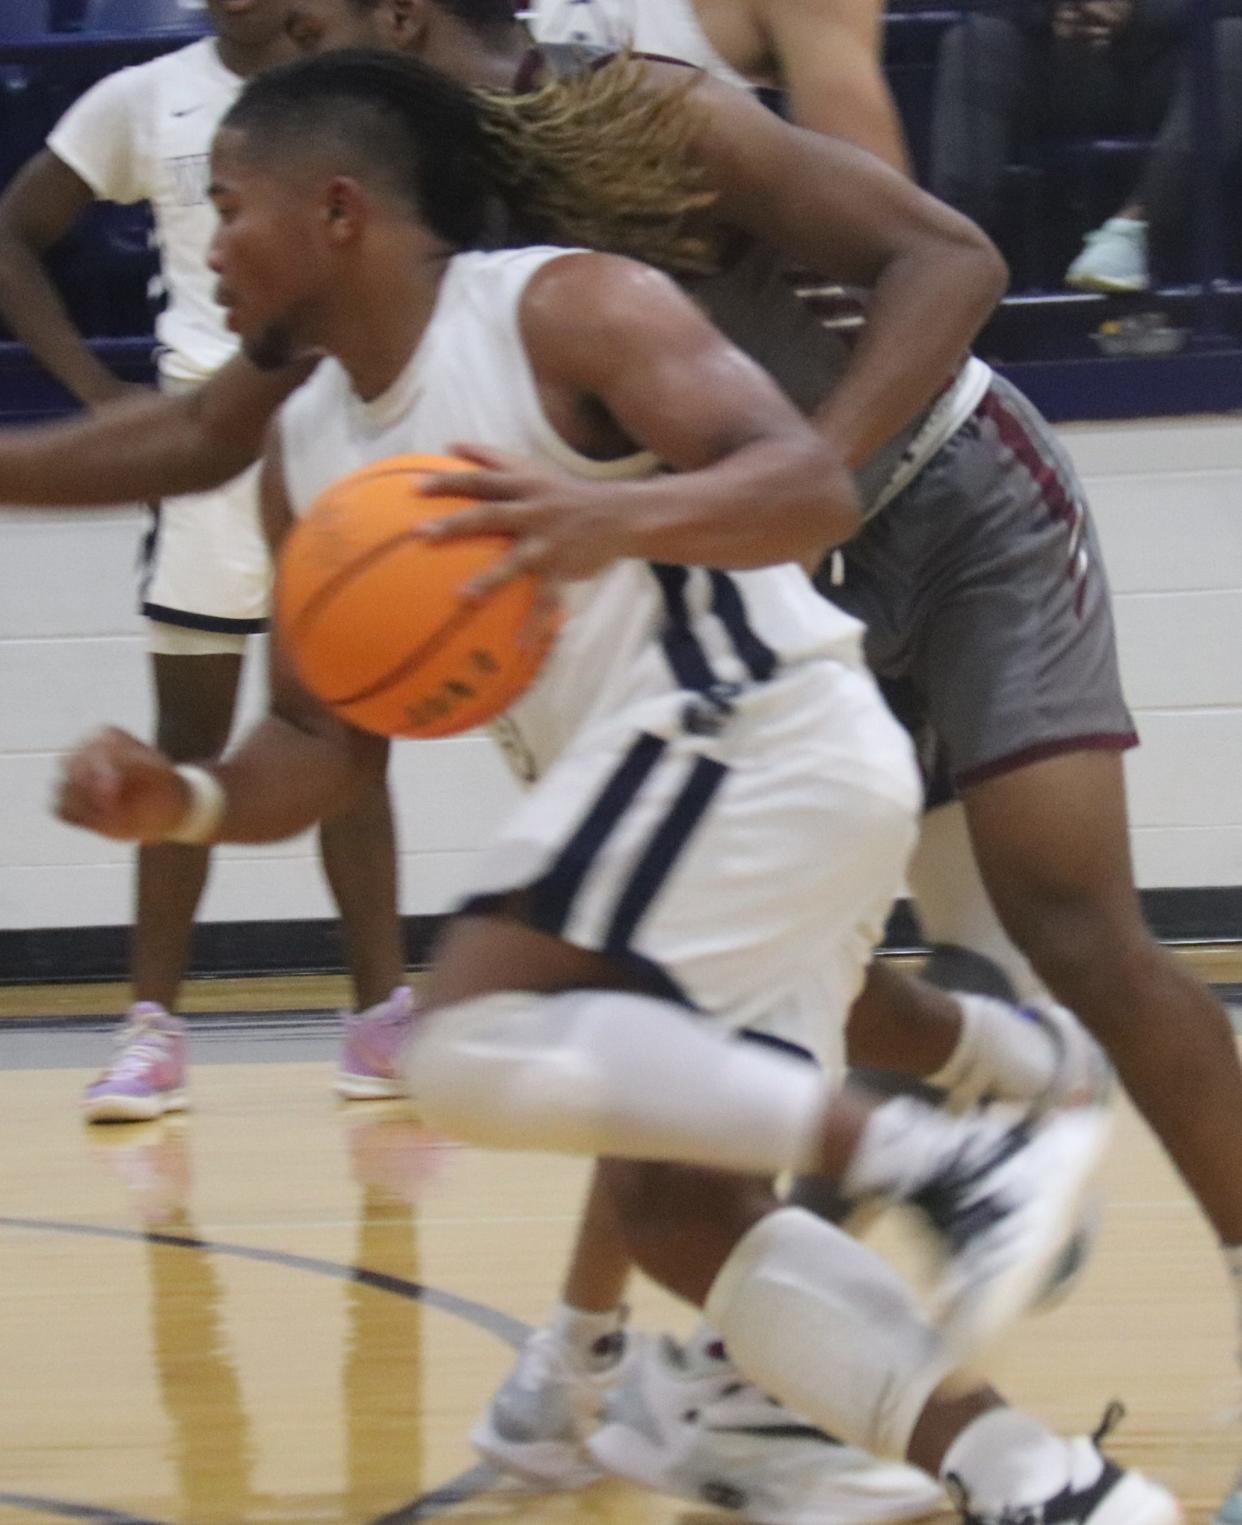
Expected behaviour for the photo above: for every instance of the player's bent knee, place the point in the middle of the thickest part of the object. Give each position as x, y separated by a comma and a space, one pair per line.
795, 1288
606, 1073
503, 1071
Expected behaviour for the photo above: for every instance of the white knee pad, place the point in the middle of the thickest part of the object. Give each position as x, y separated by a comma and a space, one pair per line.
603, 1073
828, 1327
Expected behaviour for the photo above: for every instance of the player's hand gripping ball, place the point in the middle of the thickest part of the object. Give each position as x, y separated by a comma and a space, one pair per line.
374, 618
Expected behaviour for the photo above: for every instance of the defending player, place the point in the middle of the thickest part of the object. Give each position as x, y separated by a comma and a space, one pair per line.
801, 780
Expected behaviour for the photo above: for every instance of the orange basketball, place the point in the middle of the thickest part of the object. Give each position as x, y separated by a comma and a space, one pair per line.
373, 618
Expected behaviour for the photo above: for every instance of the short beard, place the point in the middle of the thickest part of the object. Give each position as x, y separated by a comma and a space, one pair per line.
271, 350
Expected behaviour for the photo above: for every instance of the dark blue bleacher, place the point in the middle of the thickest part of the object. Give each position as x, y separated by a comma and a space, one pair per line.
52, 50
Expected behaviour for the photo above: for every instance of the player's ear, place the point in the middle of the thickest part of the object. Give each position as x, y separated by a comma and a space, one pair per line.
405, 23
343, 206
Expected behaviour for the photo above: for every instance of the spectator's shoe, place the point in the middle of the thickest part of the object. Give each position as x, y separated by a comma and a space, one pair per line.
1114, 258
1099, 1493
537, 1424
147, 1078
693, 1429
1007, 1209
371, 1048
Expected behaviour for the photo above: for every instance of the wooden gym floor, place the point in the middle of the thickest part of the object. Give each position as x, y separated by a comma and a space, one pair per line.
282, 1309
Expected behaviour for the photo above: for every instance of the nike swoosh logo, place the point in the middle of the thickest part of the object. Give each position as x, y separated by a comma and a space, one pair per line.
188, 110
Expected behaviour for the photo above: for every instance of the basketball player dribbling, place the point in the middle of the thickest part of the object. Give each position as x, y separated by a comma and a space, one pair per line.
180, 444
1019, 716
685, 717
144, 133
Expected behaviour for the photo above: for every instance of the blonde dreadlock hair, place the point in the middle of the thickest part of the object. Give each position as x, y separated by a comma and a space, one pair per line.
600, 161
603, 160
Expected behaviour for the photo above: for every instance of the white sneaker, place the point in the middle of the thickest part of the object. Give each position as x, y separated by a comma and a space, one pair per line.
536, 1425
698, 1432
1084, 1076
1113, 258
1099, 1493
1007, 1208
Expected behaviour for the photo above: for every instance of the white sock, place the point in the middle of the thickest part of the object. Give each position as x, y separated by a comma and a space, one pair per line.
903, 1145
1000, 1053
589, 1338
1006, 1459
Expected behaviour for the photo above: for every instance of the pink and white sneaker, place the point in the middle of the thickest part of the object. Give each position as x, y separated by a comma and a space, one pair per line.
371, 1048
147, 1078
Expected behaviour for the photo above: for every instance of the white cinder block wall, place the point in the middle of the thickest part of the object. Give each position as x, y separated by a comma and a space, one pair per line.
1168, 496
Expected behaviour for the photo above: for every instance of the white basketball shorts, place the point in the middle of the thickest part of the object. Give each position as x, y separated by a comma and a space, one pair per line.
748, 873
206, 564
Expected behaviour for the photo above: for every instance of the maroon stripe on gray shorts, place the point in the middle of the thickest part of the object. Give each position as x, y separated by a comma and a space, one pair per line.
1097, 741
1018, 441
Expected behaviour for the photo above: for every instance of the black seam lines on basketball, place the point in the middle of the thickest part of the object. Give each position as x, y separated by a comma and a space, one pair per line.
346, 575
431, 647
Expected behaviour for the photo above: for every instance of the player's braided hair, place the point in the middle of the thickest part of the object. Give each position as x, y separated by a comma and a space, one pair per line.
599, 160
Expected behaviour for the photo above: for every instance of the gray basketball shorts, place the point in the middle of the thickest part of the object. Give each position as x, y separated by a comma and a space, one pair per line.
986, 604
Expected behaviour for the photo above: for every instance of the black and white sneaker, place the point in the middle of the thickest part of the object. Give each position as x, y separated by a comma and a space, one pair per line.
1099, 1493
1006, 1209
1083, 1075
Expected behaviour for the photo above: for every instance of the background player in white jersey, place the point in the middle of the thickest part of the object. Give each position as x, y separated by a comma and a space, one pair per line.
144, 134
824, 54
376, 174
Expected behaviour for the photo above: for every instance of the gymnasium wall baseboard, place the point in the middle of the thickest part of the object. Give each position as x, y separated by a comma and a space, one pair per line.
1207, 915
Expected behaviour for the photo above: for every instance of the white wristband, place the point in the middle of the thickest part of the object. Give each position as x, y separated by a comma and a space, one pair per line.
205, 810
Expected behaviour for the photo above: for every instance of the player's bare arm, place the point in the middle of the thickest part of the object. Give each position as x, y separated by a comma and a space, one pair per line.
39, 206
933, 276
625, 361
147, 444
826, 54
297, 766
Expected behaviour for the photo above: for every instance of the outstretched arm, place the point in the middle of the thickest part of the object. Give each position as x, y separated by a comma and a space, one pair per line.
147, 446
933, 276
628, 360
297, 766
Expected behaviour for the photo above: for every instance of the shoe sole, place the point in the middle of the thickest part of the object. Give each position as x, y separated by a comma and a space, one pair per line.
974, 1316
133, 1109
1107, 287
626, 1453
367, 1087
551, 1465
1137, 1501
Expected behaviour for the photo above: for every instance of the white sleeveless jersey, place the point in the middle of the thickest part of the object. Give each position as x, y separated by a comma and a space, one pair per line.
144, 134
658, 647
670, 28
